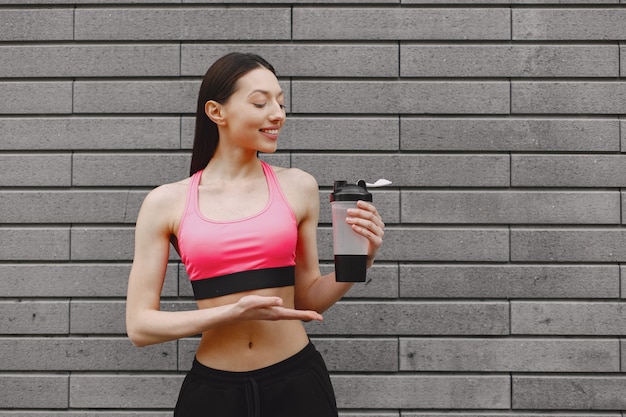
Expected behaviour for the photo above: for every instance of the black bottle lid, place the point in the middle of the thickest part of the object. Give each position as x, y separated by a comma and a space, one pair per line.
342, 191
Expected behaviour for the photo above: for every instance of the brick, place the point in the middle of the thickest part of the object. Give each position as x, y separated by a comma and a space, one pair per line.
364, 414
34, 391
623, 281
517, 207
568, 97
74, 280
139, 96
343, 133
568, 170
45, 24
359, 354
381, 282
569, 392
509, 61
413, 170
124, 391
101, 206
302, 60
622, 53
509, 281
34, 317
569, 24
129, 169
568, 318
524, 134
98, 317
90, 413
43, 170
509, 355
422, 391
90, 61
215, 23
89, 133
187, 130
435, 244
507, 413
401, 24
391, 97
32, 97
34, 244
568, 245
414, 318
102, 243
77, 354
514, 2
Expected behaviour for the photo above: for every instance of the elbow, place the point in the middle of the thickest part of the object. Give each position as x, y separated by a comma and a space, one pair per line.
136, 340
137, 337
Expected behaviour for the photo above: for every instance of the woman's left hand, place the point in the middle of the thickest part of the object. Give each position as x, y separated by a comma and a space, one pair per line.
366, 221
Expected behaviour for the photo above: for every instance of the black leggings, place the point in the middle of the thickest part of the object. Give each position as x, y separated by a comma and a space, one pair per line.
298, 386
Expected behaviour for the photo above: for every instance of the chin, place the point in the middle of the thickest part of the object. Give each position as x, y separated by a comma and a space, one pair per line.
267, 149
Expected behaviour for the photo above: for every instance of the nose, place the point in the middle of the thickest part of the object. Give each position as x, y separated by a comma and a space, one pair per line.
278, 112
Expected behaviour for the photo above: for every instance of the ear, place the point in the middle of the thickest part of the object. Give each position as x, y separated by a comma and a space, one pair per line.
214, 111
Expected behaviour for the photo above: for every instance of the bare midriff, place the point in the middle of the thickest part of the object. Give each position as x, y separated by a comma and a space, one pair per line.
251, 344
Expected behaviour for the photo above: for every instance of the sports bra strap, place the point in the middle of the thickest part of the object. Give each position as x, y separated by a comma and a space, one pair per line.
192, 196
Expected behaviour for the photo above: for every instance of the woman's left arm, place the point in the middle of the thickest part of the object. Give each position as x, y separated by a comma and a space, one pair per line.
314, 291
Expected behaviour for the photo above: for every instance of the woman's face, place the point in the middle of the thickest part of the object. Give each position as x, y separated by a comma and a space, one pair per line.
255, 112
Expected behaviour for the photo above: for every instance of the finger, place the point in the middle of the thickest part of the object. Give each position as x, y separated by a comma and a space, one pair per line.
293, 314
368, 207
367, 211
376, 239
367, 227
249, 302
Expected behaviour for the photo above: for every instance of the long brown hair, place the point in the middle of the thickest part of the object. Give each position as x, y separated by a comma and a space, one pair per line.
219, 83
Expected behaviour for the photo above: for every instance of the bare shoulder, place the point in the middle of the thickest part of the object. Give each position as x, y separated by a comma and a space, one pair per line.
297, 181
300, 189
165, 203
167, 194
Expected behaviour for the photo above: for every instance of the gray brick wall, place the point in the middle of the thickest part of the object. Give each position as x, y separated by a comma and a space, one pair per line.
500, 288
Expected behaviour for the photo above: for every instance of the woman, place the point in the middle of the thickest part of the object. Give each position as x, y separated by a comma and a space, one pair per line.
246, 232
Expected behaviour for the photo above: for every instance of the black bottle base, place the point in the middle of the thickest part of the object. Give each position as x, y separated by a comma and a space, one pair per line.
350, 268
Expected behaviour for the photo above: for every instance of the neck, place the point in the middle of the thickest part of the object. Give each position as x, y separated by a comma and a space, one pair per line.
233, 166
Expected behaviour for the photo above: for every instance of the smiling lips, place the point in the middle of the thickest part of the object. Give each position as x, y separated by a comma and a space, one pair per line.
273, 131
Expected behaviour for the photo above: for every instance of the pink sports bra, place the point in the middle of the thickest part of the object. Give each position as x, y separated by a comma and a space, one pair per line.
226, 257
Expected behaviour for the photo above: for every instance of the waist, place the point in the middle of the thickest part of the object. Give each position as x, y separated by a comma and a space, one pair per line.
250, 345
295, 362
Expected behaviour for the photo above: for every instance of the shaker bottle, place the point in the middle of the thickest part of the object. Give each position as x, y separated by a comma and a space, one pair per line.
350, 248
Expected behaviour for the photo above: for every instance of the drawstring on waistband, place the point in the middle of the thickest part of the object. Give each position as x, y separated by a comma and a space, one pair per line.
252, 398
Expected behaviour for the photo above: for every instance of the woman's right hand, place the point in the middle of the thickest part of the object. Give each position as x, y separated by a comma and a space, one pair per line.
257, 307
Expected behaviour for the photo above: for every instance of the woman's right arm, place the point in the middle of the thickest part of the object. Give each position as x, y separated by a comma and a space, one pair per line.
146, 324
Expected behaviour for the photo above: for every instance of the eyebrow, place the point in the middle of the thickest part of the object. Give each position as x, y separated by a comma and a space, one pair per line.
267, 93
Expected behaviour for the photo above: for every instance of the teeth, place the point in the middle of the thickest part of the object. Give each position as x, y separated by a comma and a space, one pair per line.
271, 131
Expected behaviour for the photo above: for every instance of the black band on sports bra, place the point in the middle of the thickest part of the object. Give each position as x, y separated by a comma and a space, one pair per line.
283, 276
